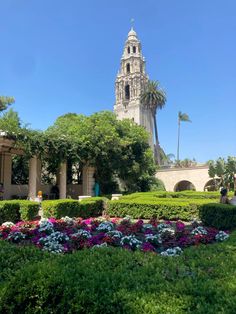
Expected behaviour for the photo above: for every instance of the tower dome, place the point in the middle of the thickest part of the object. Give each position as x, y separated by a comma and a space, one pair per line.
132, 35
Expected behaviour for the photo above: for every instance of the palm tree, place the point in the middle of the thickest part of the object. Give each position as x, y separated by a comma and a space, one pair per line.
154, 98
182, 117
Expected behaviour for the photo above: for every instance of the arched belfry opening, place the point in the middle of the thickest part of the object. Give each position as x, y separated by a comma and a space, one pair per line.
127, 92
134, 49
128, 49
127, 68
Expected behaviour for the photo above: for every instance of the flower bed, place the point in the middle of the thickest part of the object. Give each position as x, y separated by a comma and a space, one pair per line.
67, 235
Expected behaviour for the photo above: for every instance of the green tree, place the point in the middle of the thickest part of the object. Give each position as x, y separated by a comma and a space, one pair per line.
10, 122
182, 117
117, 149
225, 170
5, 102
154, 98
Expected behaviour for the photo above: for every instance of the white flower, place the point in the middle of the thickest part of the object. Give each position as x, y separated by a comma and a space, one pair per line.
8, 224
53, 247
199, 231
221, 236
100, 245
165, 230
175, 251
130, 240
68, 220
56, 236
105, 226
115, 234
147, 226
82, 233
153, 238
16, 236
45, 225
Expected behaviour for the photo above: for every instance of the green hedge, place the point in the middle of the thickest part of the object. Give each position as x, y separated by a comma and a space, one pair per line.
221, 216
91, 207
18, 210
118, 281
161, 208
175, 195
13, 257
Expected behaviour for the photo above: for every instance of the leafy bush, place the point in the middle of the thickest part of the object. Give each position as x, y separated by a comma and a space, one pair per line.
183, 209
13, 257
90, 207
222, 216
118, 281
18, 210
176, 195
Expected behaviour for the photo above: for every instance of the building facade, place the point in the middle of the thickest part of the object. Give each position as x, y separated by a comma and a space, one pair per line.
130, 83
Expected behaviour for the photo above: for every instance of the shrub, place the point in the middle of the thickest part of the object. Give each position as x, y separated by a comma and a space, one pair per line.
13, 257
163, 209
176, 195
221, 216
18, 210
118, 281
90, 207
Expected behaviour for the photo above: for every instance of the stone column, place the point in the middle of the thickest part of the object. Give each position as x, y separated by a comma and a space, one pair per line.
62, 180
88, 180
6, 175
34, 177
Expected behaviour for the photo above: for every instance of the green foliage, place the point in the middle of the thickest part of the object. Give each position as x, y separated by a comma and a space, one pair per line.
221, 216
91, 207
183, 117
183, 209
155, 195
28, 210
183, 205
5, 102
116, 148
18, 210
225, 170
9, 211
119, 281
10, 122
20, 169
15, 257
154, 98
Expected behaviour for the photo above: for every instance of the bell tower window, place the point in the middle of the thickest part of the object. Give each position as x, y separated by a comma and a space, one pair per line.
134, 49
127, 68
128, 49
127, 92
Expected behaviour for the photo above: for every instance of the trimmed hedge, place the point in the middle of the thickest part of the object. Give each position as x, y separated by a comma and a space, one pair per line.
119, 281
175, 195
221, 216
91, 207
13, 257
18, 210
162, 208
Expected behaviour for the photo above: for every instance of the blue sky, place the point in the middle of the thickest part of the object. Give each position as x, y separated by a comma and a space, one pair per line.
62, 56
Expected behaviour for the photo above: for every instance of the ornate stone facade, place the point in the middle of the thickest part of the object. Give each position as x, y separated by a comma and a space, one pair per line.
130, 83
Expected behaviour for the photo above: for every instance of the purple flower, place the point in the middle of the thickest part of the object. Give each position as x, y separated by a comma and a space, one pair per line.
147, 247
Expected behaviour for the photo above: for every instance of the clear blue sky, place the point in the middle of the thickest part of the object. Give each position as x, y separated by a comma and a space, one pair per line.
62, 56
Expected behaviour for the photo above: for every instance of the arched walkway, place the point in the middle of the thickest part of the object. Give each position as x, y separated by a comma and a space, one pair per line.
212, 185
197, 176
184, 185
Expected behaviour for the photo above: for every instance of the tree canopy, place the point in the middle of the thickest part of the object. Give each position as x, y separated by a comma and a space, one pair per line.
117, 149
225, 170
